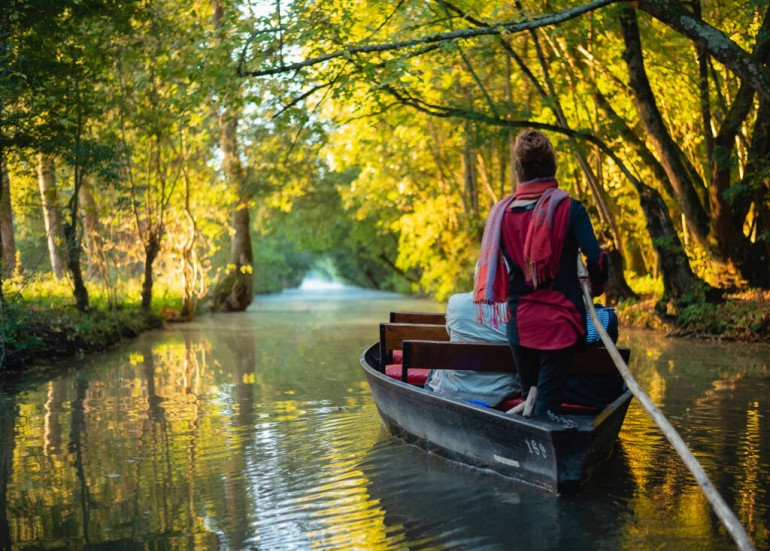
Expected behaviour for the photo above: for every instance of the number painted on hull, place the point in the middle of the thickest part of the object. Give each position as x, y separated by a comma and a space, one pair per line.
535, 447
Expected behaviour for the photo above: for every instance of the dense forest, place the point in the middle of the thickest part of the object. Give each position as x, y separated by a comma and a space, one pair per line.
159, 156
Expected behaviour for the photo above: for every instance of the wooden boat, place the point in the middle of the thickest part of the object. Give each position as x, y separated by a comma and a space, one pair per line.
546, 454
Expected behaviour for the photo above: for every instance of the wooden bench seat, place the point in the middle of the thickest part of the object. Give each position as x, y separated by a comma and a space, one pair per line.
420, 356
424, 318
393, 335
432, 354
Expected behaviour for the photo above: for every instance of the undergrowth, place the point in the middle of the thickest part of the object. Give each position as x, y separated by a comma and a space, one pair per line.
740, 316
39, 320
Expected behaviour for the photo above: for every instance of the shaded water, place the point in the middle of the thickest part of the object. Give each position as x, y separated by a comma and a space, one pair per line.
257, 431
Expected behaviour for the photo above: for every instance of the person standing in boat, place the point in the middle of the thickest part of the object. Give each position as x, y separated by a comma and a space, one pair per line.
527, 272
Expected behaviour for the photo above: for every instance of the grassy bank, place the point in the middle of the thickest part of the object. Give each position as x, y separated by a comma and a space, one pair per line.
39, 322
743, 316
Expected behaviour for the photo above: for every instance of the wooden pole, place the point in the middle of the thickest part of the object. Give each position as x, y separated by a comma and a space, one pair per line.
726, 516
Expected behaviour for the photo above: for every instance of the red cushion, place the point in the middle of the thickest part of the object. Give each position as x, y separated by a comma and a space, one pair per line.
414, 376
508, 404
565, 407
578, 408
397, 356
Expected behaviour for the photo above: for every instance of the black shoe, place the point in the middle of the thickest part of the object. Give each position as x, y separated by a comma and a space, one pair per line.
563, 421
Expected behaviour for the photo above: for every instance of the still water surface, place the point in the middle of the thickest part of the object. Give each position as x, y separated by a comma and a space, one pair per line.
257, 431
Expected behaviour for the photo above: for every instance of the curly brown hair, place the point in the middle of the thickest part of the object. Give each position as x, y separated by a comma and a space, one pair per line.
534, 156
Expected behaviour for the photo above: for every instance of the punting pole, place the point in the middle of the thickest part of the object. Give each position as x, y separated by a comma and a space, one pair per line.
729, 520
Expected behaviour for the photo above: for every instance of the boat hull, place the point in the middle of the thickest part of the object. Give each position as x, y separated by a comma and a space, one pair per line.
542, 453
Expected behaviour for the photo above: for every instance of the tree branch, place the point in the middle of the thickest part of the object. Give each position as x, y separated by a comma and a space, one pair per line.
506, 27
469, 66
717, 43
301, 97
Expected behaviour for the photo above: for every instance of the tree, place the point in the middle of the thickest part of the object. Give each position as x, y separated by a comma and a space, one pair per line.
717, 219
342, 54
161, 106
52, 213
50, 91
7, 236
235, 291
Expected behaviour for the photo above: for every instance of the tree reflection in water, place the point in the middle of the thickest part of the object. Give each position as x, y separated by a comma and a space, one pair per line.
78, 433
8, 417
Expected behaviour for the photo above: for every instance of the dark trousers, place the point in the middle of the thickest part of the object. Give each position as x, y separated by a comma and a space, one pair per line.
548, 371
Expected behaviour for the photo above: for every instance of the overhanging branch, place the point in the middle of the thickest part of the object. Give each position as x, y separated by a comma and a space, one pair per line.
714, 41
507, 27
467, 114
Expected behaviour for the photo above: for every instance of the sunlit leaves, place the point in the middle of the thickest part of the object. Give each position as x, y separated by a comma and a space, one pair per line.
552, 76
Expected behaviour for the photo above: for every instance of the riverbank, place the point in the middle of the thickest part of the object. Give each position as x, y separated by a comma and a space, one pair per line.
742, 316
32, 335
39, 323
33, 332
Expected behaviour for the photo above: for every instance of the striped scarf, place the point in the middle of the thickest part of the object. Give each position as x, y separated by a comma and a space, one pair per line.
544, 240
490, 290
490, 285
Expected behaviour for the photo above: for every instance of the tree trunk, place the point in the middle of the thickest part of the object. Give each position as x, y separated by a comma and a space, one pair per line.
678, 169
673, 263
6, 220
51, 213
73, 266
151, 250
727, 229
236, 291
73, 240
754, 261
729, 214
616, 287
241, 256
703, 88
91, 234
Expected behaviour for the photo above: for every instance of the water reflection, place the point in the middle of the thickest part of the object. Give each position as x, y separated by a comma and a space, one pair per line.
716, 396
7, 428
256, 430
429, 500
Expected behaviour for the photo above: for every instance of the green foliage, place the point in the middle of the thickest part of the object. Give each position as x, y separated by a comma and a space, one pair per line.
39, 322
51, 53
639, 313
278, 265
744, 317
379, 166
645, 285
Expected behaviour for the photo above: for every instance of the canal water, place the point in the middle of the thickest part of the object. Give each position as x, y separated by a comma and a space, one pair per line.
257, 431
